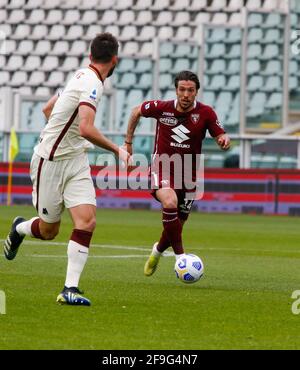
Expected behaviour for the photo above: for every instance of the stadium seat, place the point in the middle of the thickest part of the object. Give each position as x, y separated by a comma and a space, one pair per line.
216, 35
217, 50
91, 32
255, 83
16, 16
273, 84
113, 29
271, 52
109, 17
219, 18
217, 66
50, 63
15, 4
32, 63
254, 5
145, 81
25, 47
126, 17
254, 19
51, 4
123, 4
54, 16
37, 16
14, 63
273, 36
144, 65
78, 48
142, 5
255, 35
57, 32
39, 32
143, 18
275, 101
22, 32
273, 67
104, 4
36, 79
33, 4
181, 64
19, 78
4, 77
200, 19
127, 81
42, 48
159, 5
130, 48
181, 18
88, 17
217, 83
234, 67
70, 4
60, 48
75, 32
234, 5
25, 90
198, 5
55, 79
164, 18
179, 5
183, 33
146, 49
253, 67
165, 33
128, 33
273, 20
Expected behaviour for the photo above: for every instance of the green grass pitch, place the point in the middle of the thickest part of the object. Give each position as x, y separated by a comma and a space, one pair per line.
252, 266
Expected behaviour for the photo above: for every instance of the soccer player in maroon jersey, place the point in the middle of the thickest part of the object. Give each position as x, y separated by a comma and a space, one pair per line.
181, 128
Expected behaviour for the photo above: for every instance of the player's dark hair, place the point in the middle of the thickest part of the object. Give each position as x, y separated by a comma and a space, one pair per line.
187, 76
104, 47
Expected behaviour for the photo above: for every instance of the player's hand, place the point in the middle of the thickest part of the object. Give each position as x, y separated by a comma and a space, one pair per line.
223, 141
128, 147
124, 156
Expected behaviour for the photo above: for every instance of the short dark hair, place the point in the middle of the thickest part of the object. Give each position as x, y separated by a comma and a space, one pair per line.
187, 76
104, 47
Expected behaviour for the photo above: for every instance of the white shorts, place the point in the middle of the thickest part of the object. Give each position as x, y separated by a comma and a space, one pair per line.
59, 184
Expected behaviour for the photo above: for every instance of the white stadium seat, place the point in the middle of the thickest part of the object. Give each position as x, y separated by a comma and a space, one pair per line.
109, 17
88, 17
123, 4
25, 47
37, 16
14, 63
37, 78
19, 78
91, 32
42, 47
75, 32
164, 18
78, 48
49, 64
54, 16
147, 33
16, 16
142, 5
143, 18
51, 4
21, 32
55, 79
32, 63
71, 17
38, 32
69, 64
57, 32
60, 48
33, 4
15, 4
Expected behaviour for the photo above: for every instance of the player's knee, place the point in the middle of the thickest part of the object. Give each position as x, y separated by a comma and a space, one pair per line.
49, 234
89, 224
170, 203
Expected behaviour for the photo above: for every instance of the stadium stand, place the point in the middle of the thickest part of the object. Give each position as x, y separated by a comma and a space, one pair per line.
47, 40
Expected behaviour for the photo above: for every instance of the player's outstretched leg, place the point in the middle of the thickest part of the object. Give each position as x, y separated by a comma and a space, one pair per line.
152, 262
72, 296
13, 240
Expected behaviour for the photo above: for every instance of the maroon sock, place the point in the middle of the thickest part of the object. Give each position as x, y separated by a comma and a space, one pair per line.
163, 243
82, 237
173, 228
35, 229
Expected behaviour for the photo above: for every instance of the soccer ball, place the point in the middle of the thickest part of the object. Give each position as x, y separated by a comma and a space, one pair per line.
189, 268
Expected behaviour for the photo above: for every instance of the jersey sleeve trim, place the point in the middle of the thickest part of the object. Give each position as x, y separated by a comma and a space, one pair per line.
88, 105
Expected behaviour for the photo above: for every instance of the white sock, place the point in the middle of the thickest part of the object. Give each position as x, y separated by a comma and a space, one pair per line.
24, 228
77, 257
177, 256
155, 252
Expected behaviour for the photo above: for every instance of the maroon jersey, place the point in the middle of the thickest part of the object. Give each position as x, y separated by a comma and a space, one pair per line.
178, 133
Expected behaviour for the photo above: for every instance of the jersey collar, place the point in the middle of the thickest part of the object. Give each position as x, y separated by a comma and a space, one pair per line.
91, 66
176, 101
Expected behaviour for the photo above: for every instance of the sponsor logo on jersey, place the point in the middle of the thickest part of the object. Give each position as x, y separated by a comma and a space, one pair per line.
169, 121
195, 118
183, 146
169, 114
94, 94
180, 132
147, 106
219, 124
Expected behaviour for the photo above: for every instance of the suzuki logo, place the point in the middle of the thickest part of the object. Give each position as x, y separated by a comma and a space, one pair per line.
180, 132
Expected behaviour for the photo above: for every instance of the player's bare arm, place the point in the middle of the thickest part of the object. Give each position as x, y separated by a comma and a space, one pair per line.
132, 123
223, 141
92, 134
47, 110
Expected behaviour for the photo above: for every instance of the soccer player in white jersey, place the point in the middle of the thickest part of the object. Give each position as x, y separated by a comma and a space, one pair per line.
60, 170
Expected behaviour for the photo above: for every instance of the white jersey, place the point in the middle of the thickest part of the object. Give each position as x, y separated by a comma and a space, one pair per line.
61, 139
